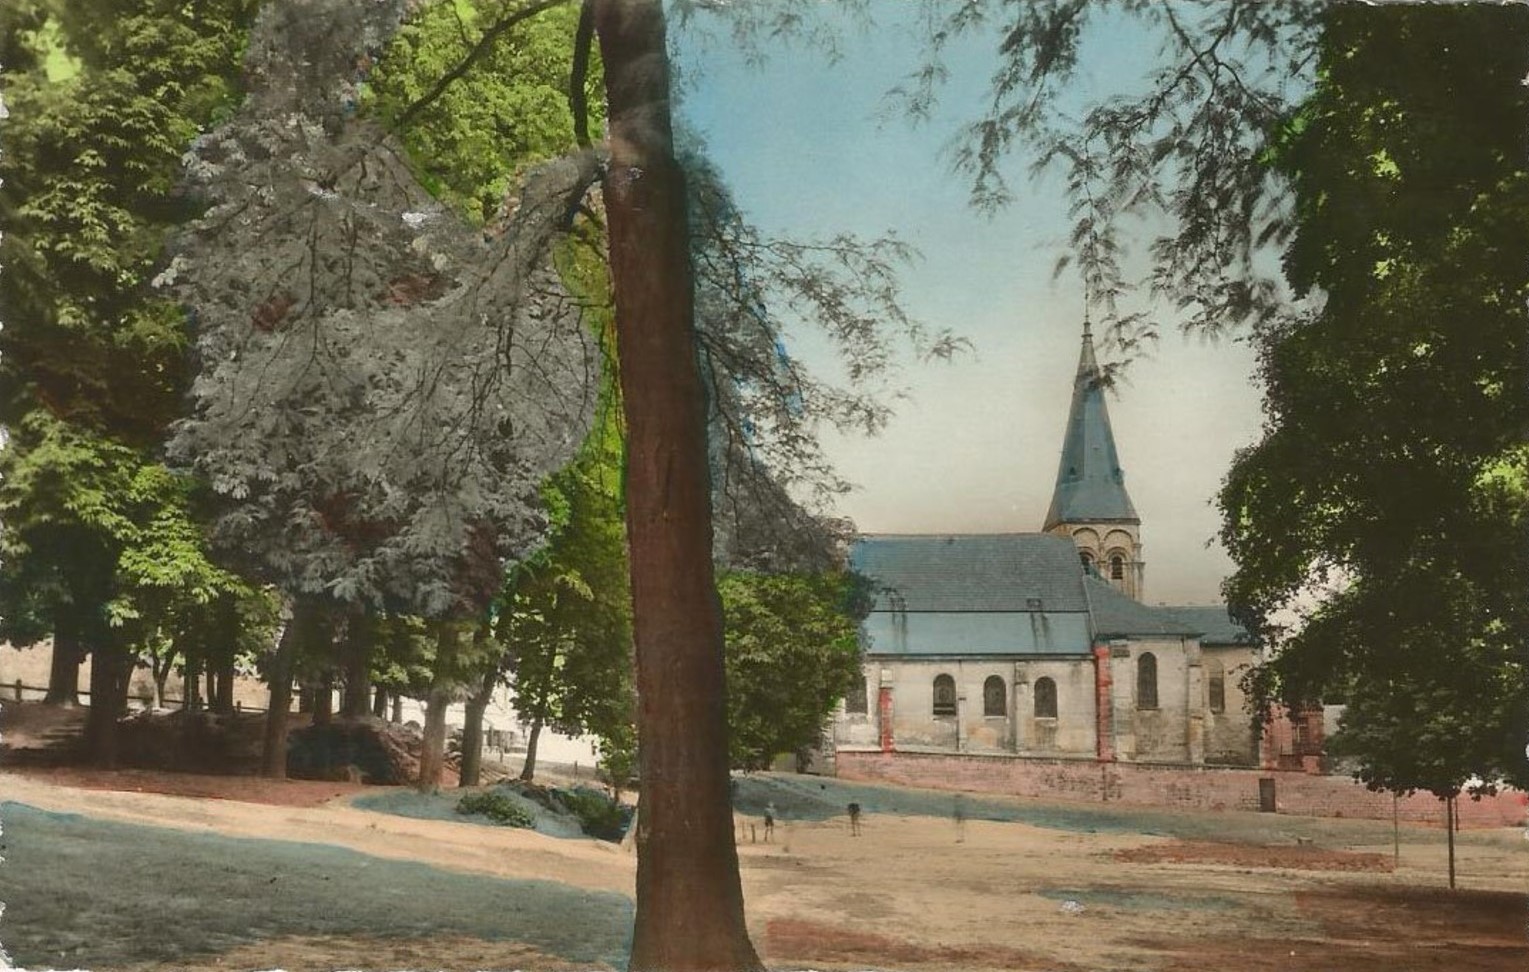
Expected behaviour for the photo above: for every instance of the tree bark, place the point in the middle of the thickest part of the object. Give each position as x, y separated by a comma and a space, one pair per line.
323, 700
357, 697
273, 760
432, 750
528, 770
110, 670
472, 730
64, 668
689, 898
191, 683
223, 700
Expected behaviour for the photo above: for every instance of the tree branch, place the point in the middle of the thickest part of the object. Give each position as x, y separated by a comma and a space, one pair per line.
484, 45
578, 98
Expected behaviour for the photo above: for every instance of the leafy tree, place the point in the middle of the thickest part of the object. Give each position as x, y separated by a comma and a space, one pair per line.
1391, 475
382, 386
100, 111
106, 541
793, 651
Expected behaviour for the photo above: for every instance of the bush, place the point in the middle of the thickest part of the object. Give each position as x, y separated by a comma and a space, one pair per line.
599, 816
498, 807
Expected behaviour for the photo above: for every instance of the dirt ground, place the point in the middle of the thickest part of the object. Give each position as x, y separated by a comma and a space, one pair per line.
924, 892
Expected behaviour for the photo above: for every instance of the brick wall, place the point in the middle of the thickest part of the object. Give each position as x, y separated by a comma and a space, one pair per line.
1167, 786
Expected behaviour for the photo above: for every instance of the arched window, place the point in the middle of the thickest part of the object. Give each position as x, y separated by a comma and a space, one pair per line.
1216, 679
856, 700
1146, 681
944, 695
1117, 567
995, 701
1088, 561
1045, 698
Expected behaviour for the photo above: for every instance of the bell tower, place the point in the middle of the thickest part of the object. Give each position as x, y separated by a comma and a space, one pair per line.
1090, 503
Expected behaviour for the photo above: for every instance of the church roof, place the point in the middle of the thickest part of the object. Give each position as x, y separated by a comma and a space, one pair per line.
972, 572
1213, 622
1090, 485
1117, 616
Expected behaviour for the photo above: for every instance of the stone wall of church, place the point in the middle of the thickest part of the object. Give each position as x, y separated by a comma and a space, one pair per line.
1011, 724
1162, 729
1229, 738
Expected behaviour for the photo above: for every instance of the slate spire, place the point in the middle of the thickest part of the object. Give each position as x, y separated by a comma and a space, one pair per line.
1090, 486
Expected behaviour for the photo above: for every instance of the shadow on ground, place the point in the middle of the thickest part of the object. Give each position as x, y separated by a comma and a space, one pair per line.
83, 893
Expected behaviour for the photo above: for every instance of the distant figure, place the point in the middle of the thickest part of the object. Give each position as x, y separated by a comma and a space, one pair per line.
959, 813
854, 820
769, 821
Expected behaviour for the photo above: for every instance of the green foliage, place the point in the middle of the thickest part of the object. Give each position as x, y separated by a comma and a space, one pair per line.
1389, 485
92, 158
501, 808
565, 613
382, 389
599, 816
793, 652
69, 495
472, 144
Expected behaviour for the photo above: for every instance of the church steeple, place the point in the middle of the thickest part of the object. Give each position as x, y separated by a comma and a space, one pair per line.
1090, 502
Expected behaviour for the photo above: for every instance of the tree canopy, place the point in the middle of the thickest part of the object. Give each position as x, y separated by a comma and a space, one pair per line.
1388, 488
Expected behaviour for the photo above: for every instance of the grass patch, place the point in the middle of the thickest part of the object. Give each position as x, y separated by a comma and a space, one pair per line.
84, 893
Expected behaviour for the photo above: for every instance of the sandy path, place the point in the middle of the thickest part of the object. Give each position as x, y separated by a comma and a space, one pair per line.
502, 852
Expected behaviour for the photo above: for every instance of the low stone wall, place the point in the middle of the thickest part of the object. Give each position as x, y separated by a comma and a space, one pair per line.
1199, 788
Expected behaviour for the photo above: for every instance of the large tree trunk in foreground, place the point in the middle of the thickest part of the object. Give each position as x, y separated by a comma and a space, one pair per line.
689, 898
110, 670
472, 730
64, 669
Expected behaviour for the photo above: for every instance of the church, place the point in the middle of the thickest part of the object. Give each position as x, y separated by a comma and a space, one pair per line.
1040, 644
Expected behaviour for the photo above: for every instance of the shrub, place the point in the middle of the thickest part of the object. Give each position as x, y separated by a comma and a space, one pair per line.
599, 815
498, 807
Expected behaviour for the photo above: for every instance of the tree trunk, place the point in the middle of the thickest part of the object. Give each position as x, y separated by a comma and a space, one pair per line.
323, 700
689, 898
432, 750
223, 700
358, 668
273, 760
380, 703
397, 705
528, 771
211, 695
191, 683
1449, 827
64, 669
307, 698
161, 674
110, 670
472, 730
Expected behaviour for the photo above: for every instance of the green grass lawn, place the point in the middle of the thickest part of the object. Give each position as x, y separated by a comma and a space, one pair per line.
84, 893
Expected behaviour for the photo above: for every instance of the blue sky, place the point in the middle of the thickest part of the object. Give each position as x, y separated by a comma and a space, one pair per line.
808, 151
